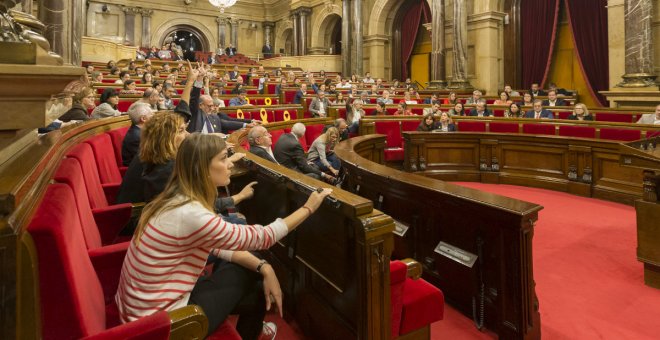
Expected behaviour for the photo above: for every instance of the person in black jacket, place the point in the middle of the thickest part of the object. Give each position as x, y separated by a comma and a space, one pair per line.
480, 110
289, 153
139, 115
82, 101
260, 143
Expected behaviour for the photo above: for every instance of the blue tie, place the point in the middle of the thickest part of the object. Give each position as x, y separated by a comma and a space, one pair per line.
209, 127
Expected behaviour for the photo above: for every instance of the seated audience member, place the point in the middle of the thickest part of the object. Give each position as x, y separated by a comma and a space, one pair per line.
156, 74
151, 97
234, 74
367, 79
538, 112
379, 83
260, 143
115, 71
364, 96
131, 65
553, 100
408, 99
339, 99
123, 76
379, 110
212, 59
289, 153
504, 99
300, 94
332, 89
476, 97
166, 68
510, 91
353, 93
434, 98
354, 79
536, 90
147, 78
560, 91
385, 99
166, 102
451, 99
82, 101
130, 146
215, 94
319, 105
341, 126
153, 53
428, 123
184, 210
139, 54
237, 88
262, 83
445, 124
111, 64
130, 87
402, 109
353, 116
480, 110
108, 106
580, 112
651, 118
458, 110
230, 50
514, 111
528, 99
321, 152
157, 86
139, 72
434, 109
373, 91
97, 77
279, 87
240, 100
344, 84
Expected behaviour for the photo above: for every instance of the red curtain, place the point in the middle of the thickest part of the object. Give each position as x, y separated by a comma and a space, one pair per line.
409, 28
588, 20
539, 28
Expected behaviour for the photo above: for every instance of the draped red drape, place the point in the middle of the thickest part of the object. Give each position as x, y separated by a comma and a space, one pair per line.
588, 20
409, 27
539, 28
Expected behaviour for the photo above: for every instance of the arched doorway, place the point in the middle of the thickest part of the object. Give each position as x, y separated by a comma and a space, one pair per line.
287, 37
189, 38
403, 33
330, 34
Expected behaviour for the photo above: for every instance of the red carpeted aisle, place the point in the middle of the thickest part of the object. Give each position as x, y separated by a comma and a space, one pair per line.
589, 283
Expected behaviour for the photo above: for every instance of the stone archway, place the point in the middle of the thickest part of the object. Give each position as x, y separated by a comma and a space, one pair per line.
323, 26
287, 40
283, 31
193, 26
378, 37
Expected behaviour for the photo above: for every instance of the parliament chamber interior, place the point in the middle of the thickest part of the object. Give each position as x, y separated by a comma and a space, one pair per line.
344, 169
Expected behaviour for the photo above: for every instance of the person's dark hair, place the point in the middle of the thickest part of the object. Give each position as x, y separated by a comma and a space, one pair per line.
155, 83
128, 82
381, 104
144, 77
518, 106
114, 70
107, 94
110, 64
242, 91
122, 74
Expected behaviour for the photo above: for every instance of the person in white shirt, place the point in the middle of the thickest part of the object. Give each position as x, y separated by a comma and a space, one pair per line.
123, 76
367, 79
354, 115
344, 84
651, 118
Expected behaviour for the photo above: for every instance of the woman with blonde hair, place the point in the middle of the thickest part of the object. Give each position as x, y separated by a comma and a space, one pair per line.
177, 232
322, 154
83, 100
580, 112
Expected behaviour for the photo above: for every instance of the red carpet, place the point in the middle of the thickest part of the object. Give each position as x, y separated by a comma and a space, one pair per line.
589, 283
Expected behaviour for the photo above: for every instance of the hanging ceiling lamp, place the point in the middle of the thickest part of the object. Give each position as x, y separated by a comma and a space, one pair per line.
222, 4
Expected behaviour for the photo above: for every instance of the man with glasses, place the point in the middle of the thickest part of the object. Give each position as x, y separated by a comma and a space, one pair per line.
260, 143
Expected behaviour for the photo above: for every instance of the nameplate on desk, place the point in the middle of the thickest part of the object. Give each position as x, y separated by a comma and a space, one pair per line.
457, 254
400, 229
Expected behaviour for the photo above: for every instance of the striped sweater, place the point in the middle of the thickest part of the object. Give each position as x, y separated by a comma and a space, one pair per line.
160, 272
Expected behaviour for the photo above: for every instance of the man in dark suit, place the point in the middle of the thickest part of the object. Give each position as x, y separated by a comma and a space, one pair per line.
212, 59
280, 86
289, 153
130, 147
230, 50
553, 100
267, 50
233, 75
260, 143
203, 120
480, 110
536, 90
319, 105
539, 112
300, 94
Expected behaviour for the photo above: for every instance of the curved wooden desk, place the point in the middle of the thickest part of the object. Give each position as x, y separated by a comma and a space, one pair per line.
497, 229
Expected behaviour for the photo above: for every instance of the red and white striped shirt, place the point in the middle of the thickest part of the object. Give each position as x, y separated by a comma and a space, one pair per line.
160, 272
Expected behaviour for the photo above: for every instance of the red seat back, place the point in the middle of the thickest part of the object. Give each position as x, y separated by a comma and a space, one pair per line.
70, 173
117, 137
392, 129
390, 110
469, 126
539, 129
276, 134
312, 132
84, 155
498, 112
502, 127
282, 115
104, 155
341, 112
562, 114
626, 135
72, 301
577, 131
124, 104
613, 117
409, 125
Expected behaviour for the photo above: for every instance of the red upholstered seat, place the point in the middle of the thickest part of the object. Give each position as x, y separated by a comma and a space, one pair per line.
124, 104
390, 110
626, 135
104, 155
117, 137
498, 112
613, 117
276, 134
288, 96
469, 126
539, 129
312, 132
417, 110
409, 125
246, 114
281, 117
341, 112
99, 194
562, 114
577, 131
394, 141
502, 127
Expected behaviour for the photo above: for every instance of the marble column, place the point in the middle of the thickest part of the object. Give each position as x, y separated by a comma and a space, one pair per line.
222, 31
639, 44
437, 30
129, 24
26, 6
65, 23
146, 27
303, 12
294, 20
346, 39
357, 37
268, 29
234, 32
459, 28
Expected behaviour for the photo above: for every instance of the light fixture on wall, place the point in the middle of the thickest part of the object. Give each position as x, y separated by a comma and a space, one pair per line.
222, 4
